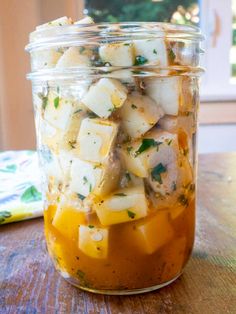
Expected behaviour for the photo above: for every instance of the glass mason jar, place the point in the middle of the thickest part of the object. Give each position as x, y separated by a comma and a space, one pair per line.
116, 120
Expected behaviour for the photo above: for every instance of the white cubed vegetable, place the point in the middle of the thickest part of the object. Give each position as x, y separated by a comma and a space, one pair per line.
168, 123
166, 92
43, 59
58, 111
139, 114
154, 50
105, 96
89, 178
84, 176
93, 242
95, 139
117, 54
151, 234
72, 58
58, 22
122, 206
156, 147
85, 20
125, 76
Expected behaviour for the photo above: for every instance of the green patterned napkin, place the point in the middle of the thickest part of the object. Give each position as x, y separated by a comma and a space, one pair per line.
20, 196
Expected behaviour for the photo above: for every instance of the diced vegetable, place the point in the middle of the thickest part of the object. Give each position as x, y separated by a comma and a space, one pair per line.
139, 114
153, 51
130, 180
58, 22
72, 58
118, 54
58, 111
166, 92
43, 59
168, 123
93, 242
125, 76
89, 178
122, 206
95, 139
85, 20
150, 234
105, 96
66, 221
142, 155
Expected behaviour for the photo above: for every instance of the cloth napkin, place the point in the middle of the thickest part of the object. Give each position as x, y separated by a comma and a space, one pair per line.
20, 196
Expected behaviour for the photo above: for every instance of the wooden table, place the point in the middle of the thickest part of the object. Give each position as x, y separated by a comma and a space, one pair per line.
29, 283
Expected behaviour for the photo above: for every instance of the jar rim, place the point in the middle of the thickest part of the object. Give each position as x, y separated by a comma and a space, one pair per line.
74, 33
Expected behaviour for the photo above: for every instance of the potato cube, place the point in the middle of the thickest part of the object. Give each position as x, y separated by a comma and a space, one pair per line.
93, 241
168, 123
166, 92
85, 20
144, 154
151, 233
153, 50
58, 111
84, 176
139, 114
95, 139
117, 54
105, 96
58, 22
125, 76
122, 206
46, 58
98, 179
66, 221
72, 58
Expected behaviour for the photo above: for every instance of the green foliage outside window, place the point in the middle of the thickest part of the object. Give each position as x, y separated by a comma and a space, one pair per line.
134, 10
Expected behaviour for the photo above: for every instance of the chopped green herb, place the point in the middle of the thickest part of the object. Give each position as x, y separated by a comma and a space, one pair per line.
128, 177
133, 106
156, 172
146, 144
172, 55
154, 51
137, 72
169, 142
72, 144
120, 194
78, 111
112, 109
85, 180
4, 214
90, 187
91, 115
81, 49
56, 102
183, 200
80, 273
127, 44
58, 89
80, 196
131, 214
90, 226
139, 60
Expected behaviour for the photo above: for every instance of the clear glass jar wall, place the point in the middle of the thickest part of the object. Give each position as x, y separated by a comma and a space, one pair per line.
116, 119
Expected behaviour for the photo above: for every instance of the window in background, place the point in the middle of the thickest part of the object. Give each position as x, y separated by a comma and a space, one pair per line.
176, 11
233, 48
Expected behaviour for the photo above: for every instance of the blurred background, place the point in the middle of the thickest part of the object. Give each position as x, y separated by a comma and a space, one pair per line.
217, 19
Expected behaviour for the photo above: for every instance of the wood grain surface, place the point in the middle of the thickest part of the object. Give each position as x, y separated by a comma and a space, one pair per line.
29, 283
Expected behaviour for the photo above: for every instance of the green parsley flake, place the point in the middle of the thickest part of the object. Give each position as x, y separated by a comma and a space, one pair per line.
129, 148
131, 214
90, 226
172, 55
128, 177
91, 115
146, 144
80, 273
156, 172
56, 102
133, 106
78, 111
120, 194
140, 60
80, 196
154, 51
85, 180
173, 186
